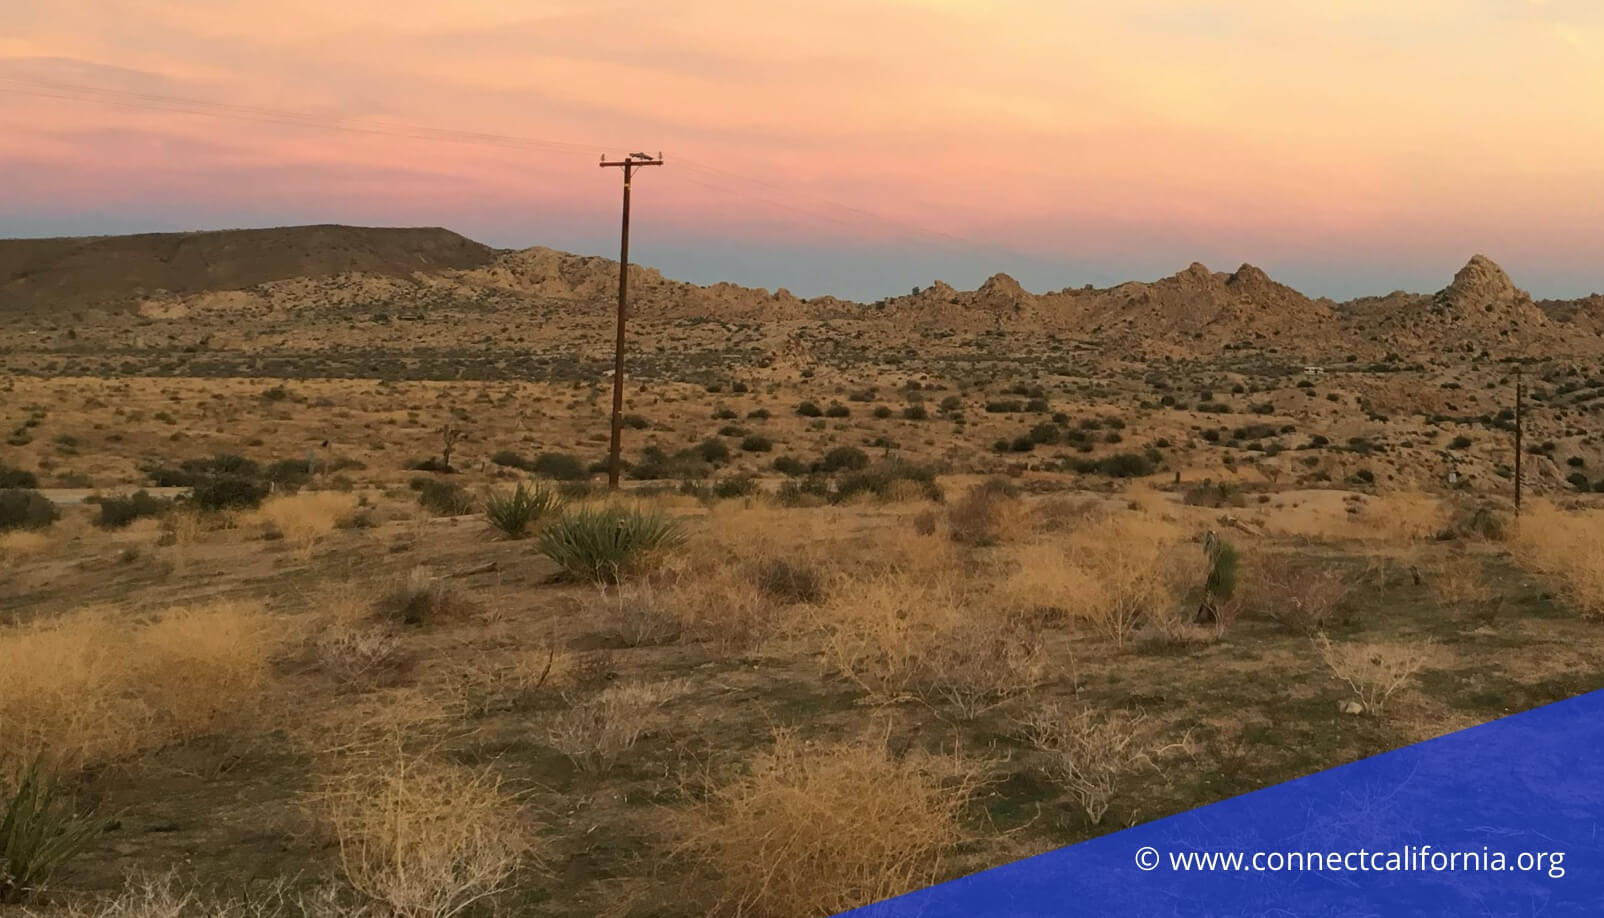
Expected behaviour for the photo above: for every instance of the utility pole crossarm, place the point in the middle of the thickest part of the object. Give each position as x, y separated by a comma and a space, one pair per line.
628, 164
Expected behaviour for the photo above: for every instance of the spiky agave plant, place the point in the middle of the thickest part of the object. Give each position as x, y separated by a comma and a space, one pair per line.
601, 546
513, 513
39, 832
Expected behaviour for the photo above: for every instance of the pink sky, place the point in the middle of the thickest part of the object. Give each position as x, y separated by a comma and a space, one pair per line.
1345, 145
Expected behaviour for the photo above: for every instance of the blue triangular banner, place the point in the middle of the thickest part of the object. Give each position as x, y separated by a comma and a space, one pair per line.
1502, 819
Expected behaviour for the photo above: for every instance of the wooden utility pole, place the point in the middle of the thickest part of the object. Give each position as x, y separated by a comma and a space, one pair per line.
1520, 392
629, 164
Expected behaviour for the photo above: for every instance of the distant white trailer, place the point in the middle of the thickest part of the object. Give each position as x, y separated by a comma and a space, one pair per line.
1314, 371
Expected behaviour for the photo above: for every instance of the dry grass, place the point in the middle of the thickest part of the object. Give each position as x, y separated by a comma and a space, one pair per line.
818, 829
423, 598
595, 731
1567, 547
307, 517
1457, 581
1375, 672
423, 838
161, 896
1112, 574
22, 545
880, 632
97, 686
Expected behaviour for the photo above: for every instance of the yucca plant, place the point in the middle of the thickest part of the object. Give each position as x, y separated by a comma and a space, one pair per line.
601, 546
514, 513
39, 832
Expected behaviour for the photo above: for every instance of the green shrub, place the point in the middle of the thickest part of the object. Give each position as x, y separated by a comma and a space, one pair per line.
837, 410
844, 459
756, 444
740, 486
513, 513
117, 512
228, 492
880, 480
951, 403
21, 508
13, 477
1004, 406
603, 546
1460, 442
39, 832
809, 410
915, 413
442, 498
636, 422
790, 466
289, 473
559, 466
509, 459
882, 411
1222, 572
713, 452
1125, 465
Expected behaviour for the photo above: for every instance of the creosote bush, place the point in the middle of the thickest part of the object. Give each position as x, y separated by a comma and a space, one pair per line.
23, 509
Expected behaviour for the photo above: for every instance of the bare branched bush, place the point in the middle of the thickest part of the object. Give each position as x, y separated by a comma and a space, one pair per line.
984, 663
486, 682
1374, 671
986, 515
879, 631
1305, 595
357, 656
425, 839
596, 730
640, 615
1457, 581
421, 598
818, 829
1090, 752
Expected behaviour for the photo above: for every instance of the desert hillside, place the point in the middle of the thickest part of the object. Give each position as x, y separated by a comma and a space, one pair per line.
116, 271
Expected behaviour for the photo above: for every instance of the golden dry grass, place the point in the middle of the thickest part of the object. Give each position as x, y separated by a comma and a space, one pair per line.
1111, 574
98, 686
23, 545
1374, 671
423, 838
1567, 546
307, 517
818, 829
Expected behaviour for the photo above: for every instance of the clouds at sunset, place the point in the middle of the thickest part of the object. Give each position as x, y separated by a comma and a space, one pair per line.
1351, 145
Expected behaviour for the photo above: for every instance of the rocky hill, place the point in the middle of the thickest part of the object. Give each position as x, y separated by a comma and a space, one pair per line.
416, 271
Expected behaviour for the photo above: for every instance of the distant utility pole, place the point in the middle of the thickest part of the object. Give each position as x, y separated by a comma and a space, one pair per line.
1520, 392
630, 164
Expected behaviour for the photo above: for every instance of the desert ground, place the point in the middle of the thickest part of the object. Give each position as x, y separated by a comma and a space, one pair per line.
313, 600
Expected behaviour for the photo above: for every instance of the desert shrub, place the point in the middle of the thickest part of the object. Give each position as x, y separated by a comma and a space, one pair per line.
559, 466
787, 581
837, 410
1460, 442
790, 466
883, 411
1482, 523
508, 459
713, 451
597, 730
636, 422
844, 458
1004, 406
950, 404
1373, 671
1125, 465
442, 498
228, 492
25, 509
117, 512
915, 413
39, 833
756, 444
12, 477
737, 486
889, 480
1113, 574
816, 829
425, 839
605, 545
1568, 548
809, 410
289, 474
1089, 753
1305, 595
513, 513
421, 598
93, 687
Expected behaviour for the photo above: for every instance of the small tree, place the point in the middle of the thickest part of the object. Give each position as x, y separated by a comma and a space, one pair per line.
448, 440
